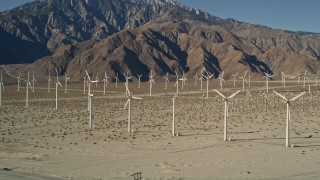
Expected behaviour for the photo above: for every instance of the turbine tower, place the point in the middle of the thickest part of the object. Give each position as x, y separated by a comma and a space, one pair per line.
288, 117
226, 114
128, 103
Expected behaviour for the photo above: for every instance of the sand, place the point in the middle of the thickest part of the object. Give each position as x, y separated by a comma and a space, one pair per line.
55, 144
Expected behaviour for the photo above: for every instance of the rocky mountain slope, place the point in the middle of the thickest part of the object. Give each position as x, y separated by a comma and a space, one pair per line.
141, 35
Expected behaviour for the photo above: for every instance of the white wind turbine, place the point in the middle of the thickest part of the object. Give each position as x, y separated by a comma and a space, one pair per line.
128, 103
28, 83
208, 77
97, 80
221, 80
299, 77
201, 79
105, 82
19, 81
139, 78
288, 117
57, 84
49, 82
84, 84
248, 98
33, 80
166, 81
1, 87
249, 81
234, 79
89, 88
91, 125
66, 83
195, 79
284, 79
127, 81
243, 80
183, 80
304, 79
177, 82
151, 81
226, 114
117, 80
173, 132
268, 76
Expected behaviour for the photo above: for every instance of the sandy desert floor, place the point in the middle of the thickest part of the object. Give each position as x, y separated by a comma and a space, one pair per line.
51, 144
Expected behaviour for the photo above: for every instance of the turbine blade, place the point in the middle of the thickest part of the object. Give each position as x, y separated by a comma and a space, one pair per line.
280, 95
219, 93
87, 75
126, 104
298, 96
136, 98
234, 94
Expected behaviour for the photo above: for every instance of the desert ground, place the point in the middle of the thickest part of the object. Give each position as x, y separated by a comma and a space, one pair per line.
44, 143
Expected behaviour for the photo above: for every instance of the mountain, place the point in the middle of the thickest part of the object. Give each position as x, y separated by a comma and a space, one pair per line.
41, 27
137, 36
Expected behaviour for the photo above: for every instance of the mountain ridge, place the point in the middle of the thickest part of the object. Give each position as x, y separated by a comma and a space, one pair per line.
176, 37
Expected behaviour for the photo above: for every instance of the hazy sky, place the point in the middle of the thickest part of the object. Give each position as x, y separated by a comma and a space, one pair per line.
295, 15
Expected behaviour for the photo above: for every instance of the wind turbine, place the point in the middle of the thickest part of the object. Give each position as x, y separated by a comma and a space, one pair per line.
127, 81
49, 82
151, 81
19, 81
1, 87
234, 79
97, 80
226, 114
28, 83
33, 80
57, 84
195, 79
243, 80
221, 80
208, 77
91, 125
117, 79
166, 81
173, 132
105, 82
288, 101
249, 99
177, 82
139, 77
66, 82
89, 88
284, 79
299, 77
304, 79
128, 103
268, 76
84, 84
183, 79
201, 79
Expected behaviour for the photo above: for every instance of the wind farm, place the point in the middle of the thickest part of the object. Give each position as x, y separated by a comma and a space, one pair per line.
124, 118
159, 90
